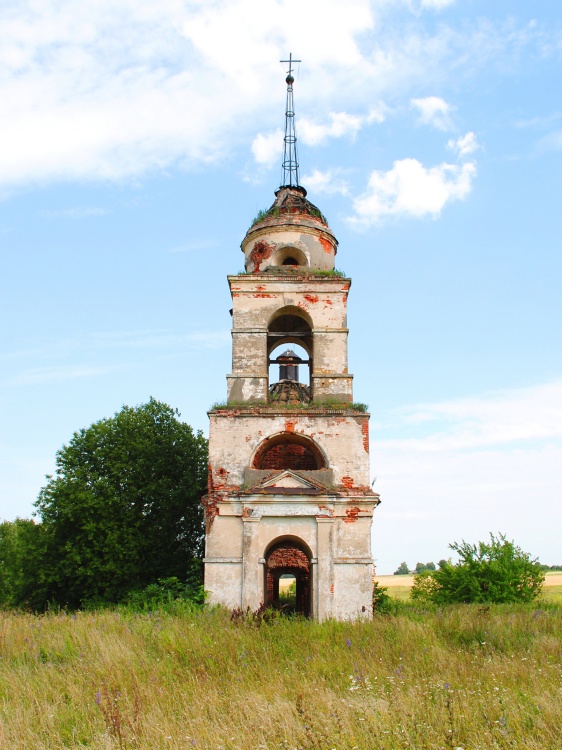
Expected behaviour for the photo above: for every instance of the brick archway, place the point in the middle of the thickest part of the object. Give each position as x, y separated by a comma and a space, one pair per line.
289, 557
289, 450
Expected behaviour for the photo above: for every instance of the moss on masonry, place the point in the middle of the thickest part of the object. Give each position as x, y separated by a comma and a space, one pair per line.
277, 405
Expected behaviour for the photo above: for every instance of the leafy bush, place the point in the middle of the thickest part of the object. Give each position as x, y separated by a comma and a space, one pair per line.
488, 572
165, 592
382, 601
424, 586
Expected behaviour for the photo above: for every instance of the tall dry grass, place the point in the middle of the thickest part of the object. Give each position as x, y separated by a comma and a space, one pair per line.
466, 677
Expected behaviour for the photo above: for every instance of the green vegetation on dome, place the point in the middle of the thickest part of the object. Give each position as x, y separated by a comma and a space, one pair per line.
276, 211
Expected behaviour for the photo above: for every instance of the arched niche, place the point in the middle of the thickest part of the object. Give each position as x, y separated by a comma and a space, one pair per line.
289, 555
288, 450
289, 256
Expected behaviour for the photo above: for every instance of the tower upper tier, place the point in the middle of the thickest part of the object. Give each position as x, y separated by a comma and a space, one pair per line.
293, 232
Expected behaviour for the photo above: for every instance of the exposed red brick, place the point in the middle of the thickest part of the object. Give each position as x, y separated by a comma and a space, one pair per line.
351, 514
347, 482
365, 433
210, 501
290, 450
288, 558
261, 251
289, 426
288, 456
326, 245
312, 298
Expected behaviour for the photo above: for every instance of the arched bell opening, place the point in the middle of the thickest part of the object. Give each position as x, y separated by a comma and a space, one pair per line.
290, 366
289, 557
288, 450
289, 375
289, 256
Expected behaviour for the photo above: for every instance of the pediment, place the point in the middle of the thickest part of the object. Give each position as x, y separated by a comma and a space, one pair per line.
289, 482
287, 478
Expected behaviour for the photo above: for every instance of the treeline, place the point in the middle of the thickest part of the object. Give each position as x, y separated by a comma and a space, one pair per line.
404, 570
122, 512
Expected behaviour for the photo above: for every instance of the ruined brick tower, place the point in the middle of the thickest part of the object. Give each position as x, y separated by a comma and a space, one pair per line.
289, 489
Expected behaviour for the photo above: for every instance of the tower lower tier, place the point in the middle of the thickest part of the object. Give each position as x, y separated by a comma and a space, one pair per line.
323, 541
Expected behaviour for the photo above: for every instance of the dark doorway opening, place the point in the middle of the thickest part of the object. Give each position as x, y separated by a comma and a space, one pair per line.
288, 559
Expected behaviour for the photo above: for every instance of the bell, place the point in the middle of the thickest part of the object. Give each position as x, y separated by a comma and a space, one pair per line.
289, 365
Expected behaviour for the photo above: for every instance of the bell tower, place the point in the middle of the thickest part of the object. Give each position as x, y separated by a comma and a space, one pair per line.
289, 490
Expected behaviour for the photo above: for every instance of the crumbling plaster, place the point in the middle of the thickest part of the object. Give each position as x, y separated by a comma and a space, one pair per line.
261, 247
236, 435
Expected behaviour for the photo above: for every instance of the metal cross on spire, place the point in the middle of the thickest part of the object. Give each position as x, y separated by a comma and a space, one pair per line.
290, 161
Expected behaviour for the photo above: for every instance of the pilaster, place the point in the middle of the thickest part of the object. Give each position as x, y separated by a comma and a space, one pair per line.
324, 585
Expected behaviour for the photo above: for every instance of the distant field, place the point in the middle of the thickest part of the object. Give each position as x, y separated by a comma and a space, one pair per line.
399, 586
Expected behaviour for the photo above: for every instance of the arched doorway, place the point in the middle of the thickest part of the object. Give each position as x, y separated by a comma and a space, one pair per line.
288, 557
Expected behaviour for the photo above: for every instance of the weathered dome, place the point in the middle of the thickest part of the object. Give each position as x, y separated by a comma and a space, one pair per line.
293, 231
290, 205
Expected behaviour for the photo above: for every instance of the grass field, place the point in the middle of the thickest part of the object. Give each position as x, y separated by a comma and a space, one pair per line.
467, 677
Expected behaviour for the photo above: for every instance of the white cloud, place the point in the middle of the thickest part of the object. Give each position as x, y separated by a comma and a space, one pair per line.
328, 182
490, 420
410, 189
109, 89
340, 124
268, 149
465, 145
434, 111
550, 142
483, 464
436, 4
113, 88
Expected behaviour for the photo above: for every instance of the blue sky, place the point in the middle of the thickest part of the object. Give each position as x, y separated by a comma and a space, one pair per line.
139, 139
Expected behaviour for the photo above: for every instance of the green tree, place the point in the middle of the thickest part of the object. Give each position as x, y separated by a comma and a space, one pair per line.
20, 556
495, 571
123, 509
420, 567
402, 570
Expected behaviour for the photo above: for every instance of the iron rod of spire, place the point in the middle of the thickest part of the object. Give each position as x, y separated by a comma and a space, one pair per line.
290, 158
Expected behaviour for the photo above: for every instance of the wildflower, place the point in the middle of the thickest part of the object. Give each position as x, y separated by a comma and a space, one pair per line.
348, 642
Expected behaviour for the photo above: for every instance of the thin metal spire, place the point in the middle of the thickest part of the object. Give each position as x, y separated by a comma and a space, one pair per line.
290, 160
